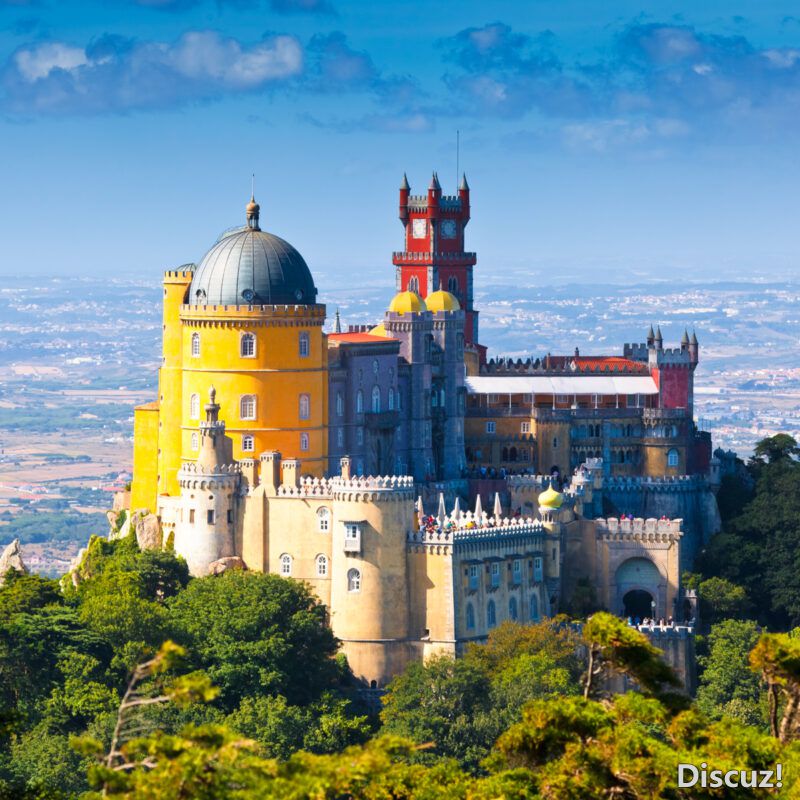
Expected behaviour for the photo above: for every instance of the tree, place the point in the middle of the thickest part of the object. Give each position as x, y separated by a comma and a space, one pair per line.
775, 449
728, 686
255, 635
777, 658
722, 599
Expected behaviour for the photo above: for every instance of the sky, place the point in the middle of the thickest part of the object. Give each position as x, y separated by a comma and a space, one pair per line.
600, 140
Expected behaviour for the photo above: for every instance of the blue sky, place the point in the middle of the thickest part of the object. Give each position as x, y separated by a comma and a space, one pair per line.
600, 139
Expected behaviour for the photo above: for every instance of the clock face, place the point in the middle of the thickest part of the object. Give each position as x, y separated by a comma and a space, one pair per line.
419, 228
448, 229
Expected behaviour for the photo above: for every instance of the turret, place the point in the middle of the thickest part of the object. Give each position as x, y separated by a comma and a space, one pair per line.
405, 190
434, 195
651, 337
685, 341
463, 196
694, 349
659, 340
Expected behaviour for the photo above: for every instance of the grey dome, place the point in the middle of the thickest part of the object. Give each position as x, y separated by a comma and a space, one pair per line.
248, 266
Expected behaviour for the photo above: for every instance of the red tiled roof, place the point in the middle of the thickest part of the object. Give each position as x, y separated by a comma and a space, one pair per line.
599, 363
358, 338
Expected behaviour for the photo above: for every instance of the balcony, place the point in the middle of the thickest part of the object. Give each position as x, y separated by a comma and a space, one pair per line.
565, 414
381, 420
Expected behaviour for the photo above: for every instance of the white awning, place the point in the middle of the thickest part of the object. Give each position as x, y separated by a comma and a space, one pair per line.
562, 384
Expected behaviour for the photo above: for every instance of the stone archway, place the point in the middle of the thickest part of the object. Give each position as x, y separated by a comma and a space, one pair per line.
639, 582
638, 604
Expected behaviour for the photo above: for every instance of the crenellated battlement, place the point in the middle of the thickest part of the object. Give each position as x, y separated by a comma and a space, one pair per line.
668, 483
193, 468
638, 528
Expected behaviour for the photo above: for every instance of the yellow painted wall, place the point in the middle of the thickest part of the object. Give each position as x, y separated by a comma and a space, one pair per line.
277, 375
170, 383
145, 457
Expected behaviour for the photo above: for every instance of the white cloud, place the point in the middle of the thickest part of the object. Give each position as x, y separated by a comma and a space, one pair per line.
38, 62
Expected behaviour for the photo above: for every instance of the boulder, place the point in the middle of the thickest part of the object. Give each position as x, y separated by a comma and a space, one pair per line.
11, 558
113, 520
73, 573
148, 531
224, 564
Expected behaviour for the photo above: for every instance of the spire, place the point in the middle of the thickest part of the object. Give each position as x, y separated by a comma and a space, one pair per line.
498, 506
457, 509
685, 338
212, 408
434, 182
404, 185
252, 212
464, 187
441, 514
478, 508
694, 339
659, 337
337, 328
651, 333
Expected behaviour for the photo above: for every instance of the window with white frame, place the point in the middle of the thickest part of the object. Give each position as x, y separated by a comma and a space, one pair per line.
286, 564
495, 572
323, 520
359, 402
353, 580
194, 406
304, 344
339, 404
194, 440
517, 570
473, 576
305, 406
524, 427
195, 345
248, 443
304, 441
491, 426
376, 399
672, 458
247, 345
322, 565
247, 406
352, 537
413, 284
537, 568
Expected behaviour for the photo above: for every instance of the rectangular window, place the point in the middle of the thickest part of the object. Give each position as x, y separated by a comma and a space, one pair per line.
473, 576
562, 398
230, 515
555, 442
491, 399
517, 571
304, 441
495, 573
210, 516
303, 344
633, 401
537, 568
524, 427
491, 426
352, 538
191, 515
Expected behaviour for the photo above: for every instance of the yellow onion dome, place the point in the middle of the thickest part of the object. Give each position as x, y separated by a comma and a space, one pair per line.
407, 302
379, 330
550, 498
442, 301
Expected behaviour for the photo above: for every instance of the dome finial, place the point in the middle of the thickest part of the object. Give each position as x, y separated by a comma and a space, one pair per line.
253, 208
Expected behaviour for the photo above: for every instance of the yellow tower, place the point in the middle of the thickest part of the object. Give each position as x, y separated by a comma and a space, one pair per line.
246, 321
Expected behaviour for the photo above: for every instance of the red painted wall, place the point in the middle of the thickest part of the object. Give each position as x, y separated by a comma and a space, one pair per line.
673, 386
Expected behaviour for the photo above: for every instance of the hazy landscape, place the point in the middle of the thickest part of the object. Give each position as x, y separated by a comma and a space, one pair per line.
76, 356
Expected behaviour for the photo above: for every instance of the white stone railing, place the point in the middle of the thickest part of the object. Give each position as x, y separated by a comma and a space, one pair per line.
639, 527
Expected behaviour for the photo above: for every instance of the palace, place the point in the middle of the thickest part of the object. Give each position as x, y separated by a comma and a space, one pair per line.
425, 491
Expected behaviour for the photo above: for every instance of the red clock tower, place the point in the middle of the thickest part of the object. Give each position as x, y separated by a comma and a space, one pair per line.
434, 256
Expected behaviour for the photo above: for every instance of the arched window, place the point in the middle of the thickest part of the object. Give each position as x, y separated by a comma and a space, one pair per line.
303, 344
194, 406
194, 441
375, 366
672, 458
452, 284
340, 437
322, 566
376, 400
359, 402
304, 441
513, 611
534, 608
353, 580
391, 399
305, 406
491, 615
286, 564
413, 284
512, 454
247, 406
195, 345
339, 404
323, 520
248, 443
247, 345
470, 617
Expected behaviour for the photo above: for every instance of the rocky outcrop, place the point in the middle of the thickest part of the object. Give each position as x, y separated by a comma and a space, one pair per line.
11, 559
224, 564
73, 573
119, 524
148, 530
